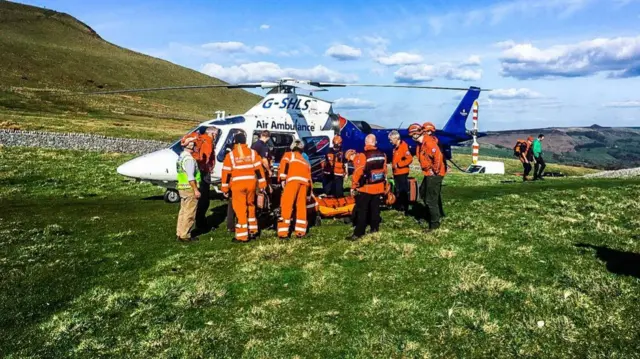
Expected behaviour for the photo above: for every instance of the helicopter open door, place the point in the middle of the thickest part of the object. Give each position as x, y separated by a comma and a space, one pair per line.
316, 147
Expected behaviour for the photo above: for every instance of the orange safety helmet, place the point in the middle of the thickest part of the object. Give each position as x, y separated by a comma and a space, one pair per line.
190, 138
415, 130
349, 154
429, 126
337, 140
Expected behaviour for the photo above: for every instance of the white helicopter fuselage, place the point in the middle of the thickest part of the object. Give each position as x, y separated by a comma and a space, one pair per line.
287, 116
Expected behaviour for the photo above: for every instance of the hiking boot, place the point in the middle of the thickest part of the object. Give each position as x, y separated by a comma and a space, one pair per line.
194, 238
352, 238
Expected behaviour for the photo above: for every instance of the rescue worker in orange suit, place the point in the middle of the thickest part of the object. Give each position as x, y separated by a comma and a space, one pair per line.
367, 185
206, 161
335, 170
526, 157
434, 169
294, 173
400, 163
241, 171
350, 155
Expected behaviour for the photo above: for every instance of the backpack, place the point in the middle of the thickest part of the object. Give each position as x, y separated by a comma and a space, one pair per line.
519, 148
203, 146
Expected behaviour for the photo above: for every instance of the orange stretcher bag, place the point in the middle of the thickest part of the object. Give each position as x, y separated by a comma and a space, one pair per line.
336, 207
413, 190
262, 201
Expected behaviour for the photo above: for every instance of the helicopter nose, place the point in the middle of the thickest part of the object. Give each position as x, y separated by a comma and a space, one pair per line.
129, 169
157, 166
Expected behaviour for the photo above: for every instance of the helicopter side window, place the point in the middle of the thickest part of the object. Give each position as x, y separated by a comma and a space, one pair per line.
279, 143
228, 144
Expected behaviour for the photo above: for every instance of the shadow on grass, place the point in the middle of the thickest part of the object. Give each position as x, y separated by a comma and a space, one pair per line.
154, 198
618, 262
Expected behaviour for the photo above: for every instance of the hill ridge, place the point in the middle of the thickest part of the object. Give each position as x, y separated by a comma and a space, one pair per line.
44, 48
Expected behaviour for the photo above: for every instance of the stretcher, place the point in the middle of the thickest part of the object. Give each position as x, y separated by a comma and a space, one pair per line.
331, 207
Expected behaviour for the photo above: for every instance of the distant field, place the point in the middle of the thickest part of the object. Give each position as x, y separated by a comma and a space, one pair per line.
90, 269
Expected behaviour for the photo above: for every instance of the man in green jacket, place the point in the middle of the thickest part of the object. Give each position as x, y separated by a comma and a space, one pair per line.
537, 155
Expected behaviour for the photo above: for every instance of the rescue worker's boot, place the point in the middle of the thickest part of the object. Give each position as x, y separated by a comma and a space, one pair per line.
183, 240
352, 238
433, 226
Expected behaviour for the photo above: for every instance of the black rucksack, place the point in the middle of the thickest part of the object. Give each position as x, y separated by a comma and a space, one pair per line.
519, 148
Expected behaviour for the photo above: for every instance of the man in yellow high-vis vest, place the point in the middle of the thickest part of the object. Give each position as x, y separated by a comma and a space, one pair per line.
188, 180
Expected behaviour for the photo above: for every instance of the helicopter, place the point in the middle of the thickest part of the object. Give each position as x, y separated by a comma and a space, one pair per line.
289, 114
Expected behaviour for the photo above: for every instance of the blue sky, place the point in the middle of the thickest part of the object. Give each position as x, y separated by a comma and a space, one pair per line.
550, 62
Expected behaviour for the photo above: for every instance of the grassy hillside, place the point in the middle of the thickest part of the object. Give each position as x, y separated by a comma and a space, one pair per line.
90, 269
595, 146
45, 49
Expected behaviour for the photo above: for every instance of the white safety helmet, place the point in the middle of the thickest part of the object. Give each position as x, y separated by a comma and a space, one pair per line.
297, 144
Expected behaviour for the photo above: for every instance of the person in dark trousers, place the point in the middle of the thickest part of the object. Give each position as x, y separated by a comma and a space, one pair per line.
400, 163
368, 184
334, 170
261, 147
526, 157
434, 169
206, 162
540, 165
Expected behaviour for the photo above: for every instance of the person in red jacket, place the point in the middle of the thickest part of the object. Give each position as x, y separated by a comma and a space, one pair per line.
335, 169
400, 163
434, 169
367, 185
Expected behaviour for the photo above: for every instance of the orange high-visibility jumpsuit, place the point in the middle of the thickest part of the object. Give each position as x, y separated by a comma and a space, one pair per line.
241, 170
295, 172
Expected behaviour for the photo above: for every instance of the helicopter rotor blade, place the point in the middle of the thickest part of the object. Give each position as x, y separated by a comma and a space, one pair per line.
193, 87
330, 84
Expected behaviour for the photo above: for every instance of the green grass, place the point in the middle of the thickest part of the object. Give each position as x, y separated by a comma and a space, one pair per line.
44, 49
90, 269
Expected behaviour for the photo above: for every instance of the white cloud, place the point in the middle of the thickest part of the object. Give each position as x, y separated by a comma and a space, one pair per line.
268, 71
426, 73
495, 14
229, 46
400, 58
289, 53
373, 40
513, 94
378, 45
623, 104
350, 103
473, 60
505, 44
263, 50
343, 52
264, 27
235, 47
617, 57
